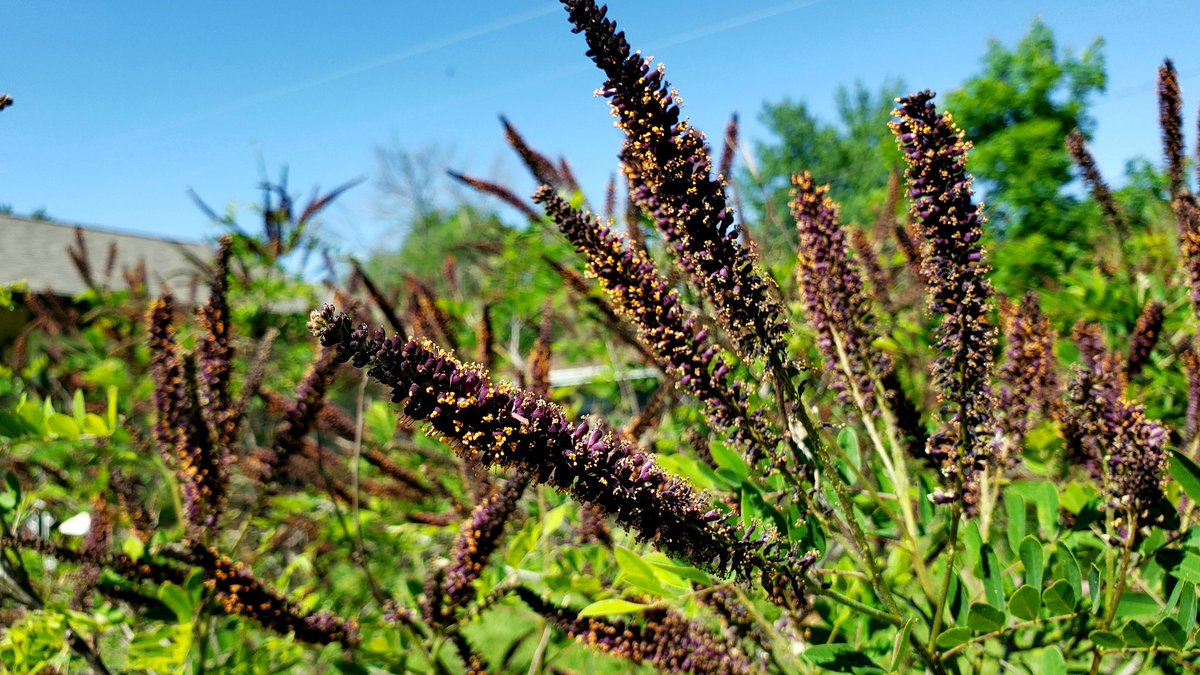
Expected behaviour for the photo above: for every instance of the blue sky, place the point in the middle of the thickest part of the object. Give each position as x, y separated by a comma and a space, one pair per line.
122, 106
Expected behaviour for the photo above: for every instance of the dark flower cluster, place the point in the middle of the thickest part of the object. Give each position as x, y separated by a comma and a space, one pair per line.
664, 639
129, 492
538, 367
651, 412
736, 619
498, 424
602, 311
498, 191
333, 420
834, 302
1170, 121
876, 276
477, 539
238, 593
670, 175
1187, 213
541, 166
1028, 380
1191, 367
1187, 210
181, 435
1078, 148
426, 317
214, 364
1110, 436
683, 347
485, 338
144, 569
1145, 335
300, 416
908, 239
951, 227
95, 544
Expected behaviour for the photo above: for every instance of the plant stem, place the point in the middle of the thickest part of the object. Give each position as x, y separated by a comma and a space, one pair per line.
946, 577
1010, 629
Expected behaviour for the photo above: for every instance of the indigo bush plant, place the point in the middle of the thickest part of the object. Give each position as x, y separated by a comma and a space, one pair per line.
871, 460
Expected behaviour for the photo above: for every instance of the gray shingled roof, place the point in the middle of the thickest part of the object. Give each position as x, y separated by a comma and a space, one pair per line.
35, 251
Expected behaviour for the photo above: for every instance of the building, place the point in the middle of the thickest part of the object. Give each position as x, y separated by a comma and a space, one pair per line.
65, 260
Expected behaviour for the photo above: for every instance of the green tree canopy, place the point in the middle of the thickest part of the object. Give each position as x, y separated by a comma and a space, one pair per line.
854, 155
1018, 112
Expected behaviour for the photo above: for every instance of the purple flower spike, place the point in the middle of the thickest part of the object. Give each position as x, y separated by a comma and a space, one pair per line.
1111, 436
669, 171
664, 639
1145, 335
498, 424
834, 302
182, 436
682, 347
1028, 380
950, 227
477, 539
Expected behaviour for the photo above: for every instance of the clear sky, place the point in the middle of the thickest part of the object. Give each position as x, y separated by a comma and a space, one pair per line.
122, 106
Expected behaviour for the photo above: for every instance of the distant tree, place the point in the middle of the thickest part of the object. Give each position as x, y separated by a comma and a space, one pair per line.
854, 154
40, 214
1018, 112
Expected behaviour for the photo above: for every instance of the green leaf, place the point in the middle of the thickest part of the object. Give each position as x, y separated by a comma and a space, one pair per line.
847, 440
1094, 587
953, 637
638, 573
1025, 603
1106, 639
1045, 497
1137, 604
111, 394
1014, 506
63, 426
683, 571
555, 518
133, 547
1135, 635
1059, 598
93, 425
841, 658
11, 496
1187, 607
1072, 572
984, 618
1188, 568
900, 646
1169, 633
14, 426
1053, 662
33, 415
611, 607
729, 461
1034, 559
1075, 496
993, 583
77, 407
1185, 472
177, 600
379, 422
972, 548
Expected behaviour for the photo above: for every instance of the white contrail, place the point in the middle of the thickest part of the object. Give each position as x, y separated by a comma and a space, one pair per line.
734, 22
